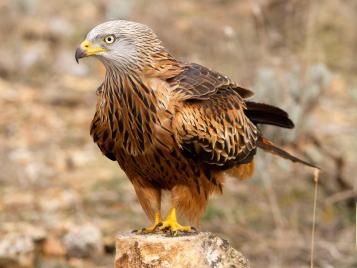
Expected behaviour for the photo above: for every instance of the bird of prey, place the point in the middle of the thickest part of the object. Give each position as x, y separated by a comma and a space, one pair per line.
173, 125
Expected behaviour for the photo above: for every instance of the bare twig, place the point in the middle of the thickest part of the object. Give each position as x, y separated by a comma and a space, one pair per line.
316, 181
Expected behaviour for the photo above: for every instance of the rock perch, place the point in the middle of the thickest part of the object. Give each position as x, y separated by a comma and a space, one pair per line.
202, 250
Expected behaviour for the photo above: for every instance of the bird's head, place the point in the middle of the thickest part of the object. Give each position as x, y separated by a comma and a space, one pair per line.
121, 44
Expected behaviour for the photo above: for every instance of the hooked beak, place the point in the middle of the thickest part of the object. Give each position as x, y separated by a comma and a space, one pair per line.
86, 49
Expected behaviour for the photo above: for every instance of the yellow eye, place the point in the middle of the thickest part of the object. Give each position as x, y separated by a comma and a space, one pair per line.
109, 39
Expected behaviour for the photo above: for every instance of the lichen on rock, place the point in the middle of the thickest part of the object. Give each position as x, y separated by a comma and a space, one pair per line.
204, 250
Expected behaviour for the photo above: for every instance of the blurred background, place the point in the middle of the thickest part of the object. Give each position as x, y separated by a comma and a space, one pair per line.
62, 202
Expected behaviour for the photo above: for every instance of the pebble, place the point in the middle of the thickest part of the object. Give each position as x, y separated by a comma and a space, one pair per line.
83, 241
16, 250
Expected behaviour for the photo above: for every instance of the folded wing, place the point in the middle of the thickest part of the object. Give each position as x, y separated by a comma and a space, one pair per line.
211, 126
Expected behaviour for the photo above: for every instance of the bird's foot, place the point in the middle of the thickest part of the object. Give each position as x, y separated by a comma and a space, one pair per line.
151, 229
148, 230
170, 225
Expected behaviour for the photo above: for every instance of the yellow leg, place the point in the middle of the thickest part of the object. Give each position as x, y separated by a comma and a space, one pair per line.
171, 225
152, 228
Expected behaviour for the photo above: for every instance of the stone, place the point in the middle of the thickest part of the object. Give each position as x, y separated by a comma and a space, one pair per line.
53, 247
16, 250
83, 241
202, 250
35, 232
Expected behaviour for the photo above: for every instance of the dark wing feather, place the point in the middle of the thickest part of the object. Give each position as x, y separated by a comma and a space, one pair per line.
197, 82
260, 113
216, 131
216, 126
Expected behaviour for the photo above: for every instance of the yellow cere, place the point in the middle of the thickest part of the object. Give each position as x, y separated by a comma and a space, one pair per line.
87, 46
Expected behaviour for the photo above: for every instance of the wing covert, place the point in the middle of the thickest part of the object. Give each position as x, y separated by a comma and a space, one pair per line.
215, 131
197, 82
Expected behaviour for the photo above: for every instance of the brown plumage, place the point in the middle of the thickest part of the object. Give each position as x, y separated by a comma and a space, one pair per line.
171, 125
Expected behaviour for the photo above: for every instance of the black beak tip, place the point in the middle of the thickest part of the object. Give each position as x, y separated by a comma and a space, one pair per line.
80, 53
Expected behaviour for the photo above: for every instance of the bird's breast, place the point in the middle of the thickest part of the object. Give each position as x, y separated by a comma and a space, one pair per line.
130, 125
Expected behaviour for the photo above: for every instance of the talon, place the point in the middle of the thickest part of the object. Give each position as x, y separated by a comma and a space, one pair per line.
151, 229
171, 226
137, 231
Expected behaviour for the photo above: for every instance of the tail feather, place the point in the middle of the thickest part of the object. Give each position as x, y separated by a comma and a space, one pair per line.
270, 147
260, 113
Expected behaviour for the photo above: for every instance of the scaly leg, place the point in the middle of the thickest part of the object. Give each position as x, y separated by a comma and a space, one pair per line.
171, 225
150, 200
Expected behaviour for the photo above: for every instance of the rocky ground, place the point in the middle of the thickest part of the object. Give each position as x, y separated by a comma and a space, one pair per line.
61, 201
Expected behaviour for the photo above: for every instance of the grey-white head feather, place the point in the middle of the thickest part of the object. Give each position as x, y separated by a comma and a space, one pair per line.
133, 47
